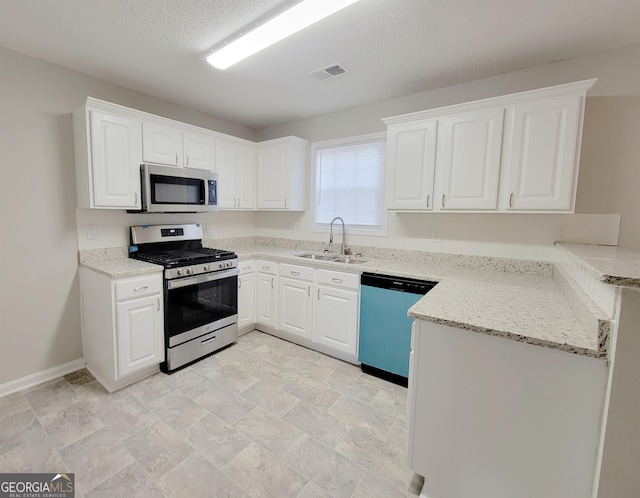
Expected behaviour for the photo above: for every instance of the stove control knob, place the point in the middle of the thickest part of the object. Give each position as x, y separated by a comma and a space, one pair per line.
220, 265
205, 268
180, 272
229, 264
189, 271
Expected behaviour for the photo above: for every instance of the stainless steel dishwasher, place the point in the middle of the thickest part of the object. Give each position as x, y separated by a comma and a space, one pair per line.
384, 341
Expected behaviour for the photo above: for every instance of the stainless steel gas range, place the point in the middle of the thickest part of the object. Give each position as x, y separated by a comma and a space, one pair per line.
200, 290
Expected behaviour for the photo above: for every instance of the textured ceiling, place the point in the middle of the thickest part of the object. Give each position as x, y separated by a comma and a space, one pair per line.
391, 48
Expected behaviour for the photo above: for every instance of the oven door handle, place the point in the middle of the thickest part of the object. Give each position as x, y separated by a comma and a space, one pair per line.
201, 279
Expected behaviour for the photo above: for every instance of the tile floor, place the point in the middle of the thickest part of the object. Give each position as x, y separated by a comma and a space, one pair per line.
262, 418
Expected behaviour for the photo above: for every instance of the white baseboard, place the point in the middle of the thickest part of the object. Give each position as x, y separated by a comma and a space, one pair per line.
40, 377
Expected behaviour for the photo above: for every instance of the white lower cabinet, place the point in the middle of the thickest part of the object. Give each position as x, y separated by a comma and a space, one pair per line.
122, 327
139, 321
487, 416
246, 296
267, 293
295, 285
316, 308
337, 305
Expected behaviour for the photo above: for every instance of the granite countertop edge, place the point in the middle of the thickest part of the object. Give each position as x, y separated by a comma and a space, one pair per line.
598, 260
125, 267
122, 267
395, 268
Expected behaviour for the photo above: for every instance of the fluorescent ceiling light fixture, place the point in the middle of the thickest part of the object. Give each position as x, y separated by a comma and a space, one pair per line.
290, 21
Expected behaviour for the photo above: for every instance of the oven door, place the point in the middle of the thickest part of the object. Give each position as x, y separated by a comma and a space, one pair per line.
201, 304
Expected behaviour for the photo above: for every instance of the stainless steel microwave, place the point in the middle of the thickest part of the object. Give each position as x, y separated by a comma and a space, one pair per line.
166, 189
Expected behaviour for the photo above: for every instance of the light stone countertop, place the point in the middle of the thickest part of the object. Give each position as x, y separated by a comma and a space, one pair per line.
526, 308
609, 264
121, 267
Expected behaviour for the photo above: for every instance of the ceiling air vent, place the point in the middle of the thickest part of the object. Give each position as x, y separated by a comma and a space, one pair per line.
328, 72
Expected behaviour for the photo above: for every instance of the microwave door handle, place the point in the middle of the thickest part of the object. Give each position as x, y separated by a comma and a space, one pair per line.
201, 279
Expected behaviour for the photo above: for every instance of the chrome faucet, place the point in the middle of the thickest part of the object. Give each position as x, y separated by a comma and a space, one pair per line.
331, 233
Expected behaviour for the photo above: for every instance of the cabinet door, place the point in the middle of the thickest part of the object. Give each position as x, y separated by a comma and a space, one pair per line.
273, 176
266, 302
246, 299
295, 301
226, 168
161, 144
246, 176
469, 149
199, 151
140, 334
542, 164
336, 319
411, 160
116, 154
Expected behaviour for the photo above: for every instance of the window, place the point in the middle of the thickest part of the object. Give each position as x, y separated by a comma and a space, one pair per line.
350, 182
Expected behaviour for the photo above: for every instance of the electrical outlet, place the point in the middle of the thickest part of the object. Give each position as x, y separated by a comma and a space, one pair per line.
92, 232
559, 233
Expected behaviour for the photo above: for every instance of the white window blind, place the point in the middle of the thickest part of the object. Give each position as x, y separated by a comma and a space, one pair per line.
350, 184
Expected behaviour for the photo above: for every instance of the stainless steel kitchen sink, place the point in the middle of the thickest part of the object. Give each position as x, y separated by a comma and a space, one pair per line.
349, 260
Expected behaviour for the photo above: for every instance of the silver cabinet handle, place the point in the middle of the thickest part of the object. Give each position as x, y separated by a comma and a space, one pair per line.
135, 198
337, 280
265, 267
144, 287
295, 273
176, 158
239, 283
511, 199
428, 199
187, 159
285, 202
206, 341
309, 291
443, 200
318, 294
272, 282
158, 304
246, 267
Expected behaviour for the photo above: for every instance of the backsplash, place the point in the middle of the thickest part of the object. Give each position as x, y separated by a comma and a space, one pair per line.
508, 265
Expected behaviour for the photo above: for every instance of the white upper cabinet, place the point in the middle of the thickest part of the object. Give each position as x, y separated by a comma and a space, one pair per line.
469, 147
517, 152
282, 174
173, 146
541, 165
108, 151
161, 144
411, 161
199, 150
235, 164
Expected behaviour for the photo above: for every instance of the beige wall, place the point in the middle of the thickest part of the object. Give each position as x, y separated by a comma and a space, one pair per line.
39, 296
610, 160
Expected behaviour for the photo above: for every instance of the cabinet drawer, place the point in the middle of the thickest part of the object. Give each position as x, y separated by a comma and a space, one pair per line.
295, 271
138, 287
338, 279
246, 266
267, 267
